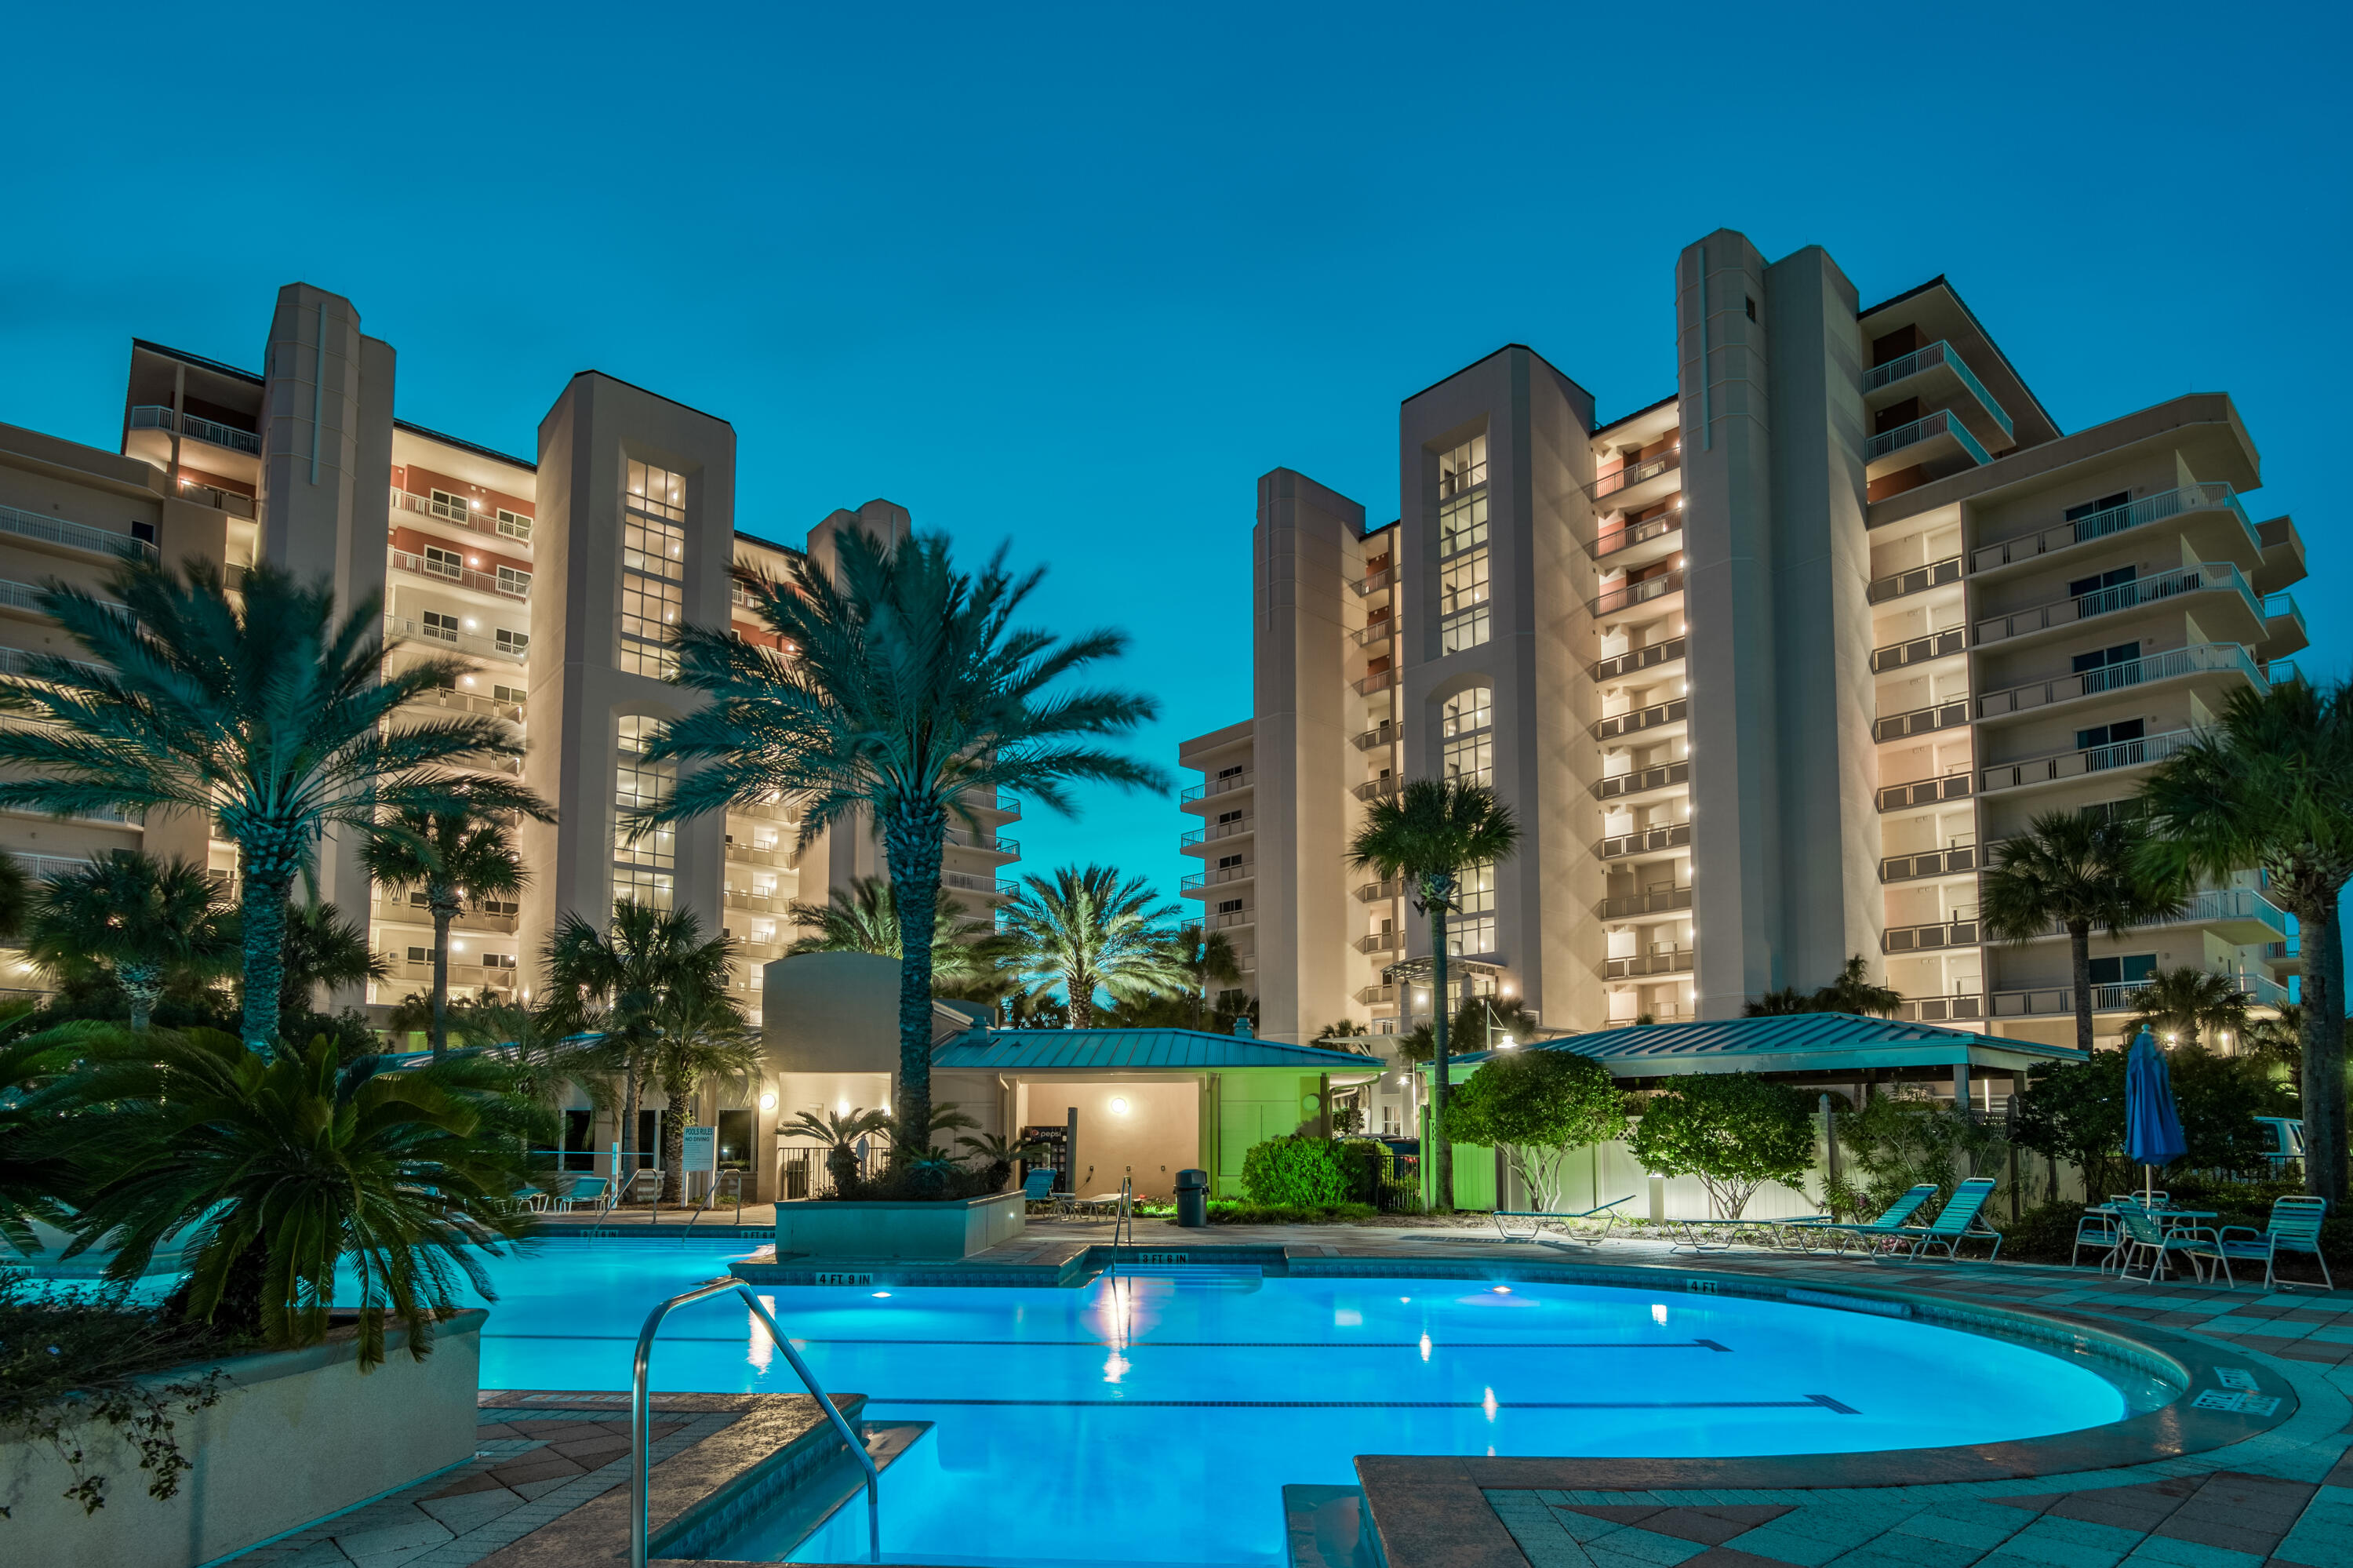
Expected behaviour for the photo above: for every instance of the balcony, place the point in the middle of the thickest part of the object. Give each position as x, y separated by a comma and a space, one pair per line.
1643, 782
1644, 841
2284, 628
1631, 595
1372, 582
219, 500
1006, 804
153, 417
1232, 919
779, 812
19, 662
1381, 892
1226, 785
1943, 364
81, 537
1668, 652
1218, 876
1919, 650
1217, 830
1380, 629
970, 882
1921, 721
468, 702
1380, 734
1658, 961
413, 910
1639, 719
1925, 439
1924, 792
741, 853
1381, 942
1375, 995
1377, 789
1934, 863
2198, 658
2046, 1001
2283, 955
1929, 939
1957, 1008
755, 902
1639, 484
986, 844
2192, 498
1915, 579
496, 523
2241, 917
506, 582
2066, 765
1379, 681
1611, 542
464, 641
2212, 577
1650, 901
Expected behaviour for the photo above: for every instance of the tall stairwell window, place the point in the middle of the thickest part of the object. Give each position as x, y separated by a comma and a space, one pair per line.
653, 568
1467, 736
1463, 618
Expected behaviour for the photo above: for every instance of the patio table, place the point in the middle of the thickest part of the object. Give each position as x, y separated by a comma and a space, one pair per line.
2168, 1220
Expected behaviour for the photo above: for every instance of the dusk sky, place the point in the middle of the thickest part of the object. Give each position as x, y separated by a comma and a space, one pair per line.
1075, 278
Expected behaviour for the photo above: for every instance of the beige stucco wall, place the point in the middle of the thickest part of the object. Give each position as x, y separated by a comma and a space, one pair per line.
1158, 1135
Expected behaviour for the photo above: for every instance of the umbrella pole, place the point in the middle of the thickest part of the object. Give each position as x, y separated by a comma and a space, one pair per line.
2147, 1186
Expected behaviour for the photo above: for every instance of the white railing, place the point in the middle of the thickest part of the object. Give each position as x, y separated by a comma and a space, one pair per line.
72, 536
2093, 759
1927, 427
154, 416
1612, 540
2209, 576
201, 494
1926, 358
464, 641
966, 882
2198, 658
2115, 520
1914, 580
508, 582
1638, 473
1642, 592
1219, 785
2212, 906
499, 522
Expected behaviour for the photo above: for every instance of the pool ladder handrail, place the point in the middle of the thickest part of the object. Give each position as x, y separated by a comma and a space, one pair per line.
641, 1416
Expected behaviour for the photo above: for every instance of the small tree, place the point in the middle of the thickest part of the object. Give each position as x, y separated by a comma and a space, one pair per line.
1896, 1140
2075, 1111
1536, 1107
1735, 1132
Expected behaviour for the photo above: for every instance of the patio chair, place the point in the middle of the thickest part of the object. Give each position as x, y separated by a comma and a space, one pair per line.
1889, 1223
588, 1190
2098, 1228
2294, 1226
1038, 1187
1963, 1216
1539, 1218
2151, 1200
2145, 1240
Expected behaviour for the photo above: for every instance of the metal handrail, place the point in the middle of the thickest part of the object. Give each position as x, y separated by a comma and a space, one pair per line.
1938, 423
641, 1416
1928, 358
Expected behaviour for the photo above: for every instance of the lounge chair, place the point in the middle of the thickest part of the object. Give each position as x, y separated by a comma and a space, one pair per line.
2144, 1238
1890, 1223
588, 1190
2294, 1226
1038, 1187
1963, 1216
1539, 1218
1695, 1235
2098, 1228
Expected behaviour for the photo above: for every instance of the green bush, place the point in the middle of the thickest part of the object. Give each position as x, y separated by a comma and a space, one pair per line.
1735, 1132
1227, 1213
1296, 1171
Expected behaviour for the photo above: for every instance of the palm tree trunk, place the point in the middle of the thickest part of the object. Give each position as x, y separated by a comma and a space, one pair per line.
142, 983
2079, 955
913, 847
1442, 1150
1082, 999
628, 1171
2323, 1051
440, 978
681, 1093
262, 911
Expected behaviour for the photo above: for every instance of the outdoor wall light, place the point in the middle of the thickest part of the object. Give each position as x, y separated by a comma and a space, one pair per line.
1118, 1104
768, 1101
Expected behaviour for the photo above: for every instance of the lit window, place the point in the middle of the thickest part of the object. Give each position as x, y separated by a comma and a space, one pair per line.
511, 581
1464, 468
1462, 592
653, 569
1467, 710
1471, 930
645, 860
512, 641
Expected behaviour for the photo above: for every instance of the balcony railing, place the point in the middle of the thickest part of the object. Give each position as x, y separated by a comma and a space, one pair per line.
1921, 721
508, 584
1637, 473
1919, 650
1934, 863
756, 903
1375, 789
2115, 520
154, 416
744, 853
1650, 901
1643, 841
1381, 942
1380, 629
2198, 658
2210, 907
1665, 961
1381, 892
1379, 681
72, 536
2045, 1000
1924, 792
1222, 786
19, 662
1372, 995
2076, 764
1006, 804
1651, 717
469, 702
1217, 830
1642, 781
1951, 1008
1219, 875
213, 496
1930, 938
1632, 594
1626, 663
969, 881
1609, 541
2209, 576
2283, 607
2290, 951
1915, 579
497, 522
993, 843
1228, 921
464, 641
1927, 427
1372, 582
1380, 734
1928, 359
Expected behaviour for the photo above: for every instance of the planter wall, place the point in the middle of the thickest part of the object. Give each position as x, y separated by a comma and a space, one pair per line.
931, 1232
297, 1434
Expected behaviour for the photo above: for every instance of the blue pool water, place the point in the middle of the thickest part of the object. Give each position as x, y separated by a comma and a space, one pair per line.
1154, 1419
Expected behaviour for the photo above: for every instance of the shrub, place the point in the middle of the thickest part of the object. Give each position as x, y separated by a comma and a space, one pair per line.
1735, 1132
1537, 1105
1899, 1140
1296, 1171
1228, 1213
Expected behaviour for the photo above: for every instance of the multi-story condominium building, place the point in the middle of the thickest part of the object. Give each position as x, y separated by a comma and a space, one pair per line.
1763, 670
559, 575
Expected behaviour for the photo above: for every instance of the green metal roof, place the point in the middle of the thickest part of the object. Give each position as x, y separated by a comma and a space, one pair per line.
1128, 1050
1793, 1042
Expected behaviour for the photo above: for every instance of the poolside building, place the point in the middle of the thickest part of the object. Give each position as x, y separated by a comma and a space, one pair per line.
1764, 668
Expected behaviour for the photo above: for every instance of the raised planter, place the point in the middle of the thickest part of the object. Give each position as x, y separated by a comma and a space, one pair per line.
297, 1434
931, 1232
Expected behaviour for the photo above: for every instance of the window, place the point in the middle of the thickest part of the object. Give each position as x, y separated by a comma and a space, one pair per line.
455, 507
514, 525
1232, 816
1471, 930
1472, 759
1470, 709
653, 569
514, 642
1464, 619
2099, 580
2107, 668
498, 960
2122, 653
505, 694
1228, 861
1229, 906
2104, 504
511, 581
2127, 970
444, 562
2115, 733
1752, 316
645, 860
1462, 469
421, 955
1233, 772
439, 627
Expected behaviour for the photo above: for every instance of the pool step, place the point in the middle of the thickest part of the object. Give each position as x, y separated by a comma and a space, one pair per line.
1327, 1527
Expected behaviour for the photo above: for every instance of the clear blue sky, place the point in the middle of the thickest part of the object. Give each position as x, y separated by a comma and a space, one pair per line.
1075, 278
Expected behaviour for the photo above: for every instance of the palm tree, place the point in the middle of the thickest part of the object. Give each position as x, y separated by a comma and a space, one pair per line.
1205, 956
616, 982
703, 1035
1088, 930
322, 949
1854, 992
865, 919
904, 692
1776, 1003
2269, 787
840, 1133
1430, 833
259, 707
2074, 872
144, 922
15, 898
2278, 1041
2180, 1004
450, 856
281, 1171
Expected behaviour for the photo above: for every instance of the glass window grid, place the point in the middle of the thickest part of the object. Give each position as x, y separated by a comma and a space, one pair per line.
639, 785
1462, 523
1473, 708
653, 570
1462, 582
1472, 759
1469, 630
1464, 468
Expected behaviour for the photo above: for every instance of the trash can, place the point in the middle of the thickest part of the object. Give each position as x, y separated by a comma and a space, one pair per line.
1192, 1199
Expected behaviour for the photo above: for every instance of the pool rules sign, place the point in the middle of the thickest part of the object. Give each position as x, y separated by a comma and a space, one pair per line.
701, 1150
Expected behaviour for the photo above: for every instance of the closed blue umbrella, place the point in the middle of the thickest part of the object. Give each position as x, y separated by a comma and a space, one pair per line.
2152, 1126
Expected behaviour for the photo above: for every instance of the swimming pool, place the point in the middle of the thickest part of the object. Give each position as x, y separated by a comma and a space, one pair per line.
1154, 1418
